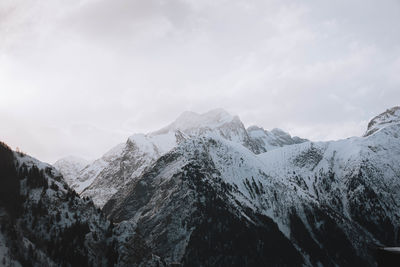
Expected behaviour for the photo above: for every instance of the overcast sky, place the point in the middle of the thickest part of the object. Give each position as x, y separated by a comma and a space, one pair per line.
79, 76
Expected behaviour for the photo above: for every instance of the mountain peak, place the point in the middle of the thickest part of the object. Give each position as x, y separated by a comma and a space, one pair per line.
389, 117
189, 120
218, 114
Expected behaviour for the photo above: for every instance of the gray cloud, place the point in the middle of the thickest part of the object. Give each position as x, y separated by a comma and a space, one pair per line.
79, 76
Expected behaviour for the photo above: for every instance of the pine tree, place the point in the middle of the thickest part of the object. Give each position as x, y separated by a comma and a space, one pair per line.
58, 216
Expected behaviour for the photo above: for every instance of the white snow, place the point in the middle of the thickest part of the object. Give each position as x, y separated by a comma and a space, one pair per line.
155, 144
87, 175
392, 249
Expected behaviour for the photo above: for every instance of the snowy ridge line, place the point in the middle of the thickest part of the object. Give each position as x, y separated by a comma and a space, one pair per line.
103, 177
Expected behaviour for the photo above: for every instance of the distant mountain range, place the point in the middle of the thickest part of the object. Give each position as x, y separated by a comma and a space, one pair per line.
206, 191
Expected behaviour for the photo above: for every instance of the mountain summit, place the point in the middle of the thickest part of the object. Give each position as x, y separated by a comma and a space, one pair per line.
389, 117
215, 122
190, 121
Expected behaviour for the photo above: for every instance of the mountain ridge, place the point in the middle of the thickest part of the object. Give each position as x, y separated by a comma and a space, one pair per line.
100, 180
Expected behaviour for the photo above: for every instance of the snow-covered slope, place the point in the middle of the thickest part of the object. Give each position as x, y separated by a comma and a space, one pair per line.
70, 167
313, 203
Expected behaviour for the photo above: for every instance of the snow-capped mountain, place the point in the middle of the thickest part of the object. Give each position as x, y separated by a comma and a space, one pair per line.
105, 176
206, 191
212, 201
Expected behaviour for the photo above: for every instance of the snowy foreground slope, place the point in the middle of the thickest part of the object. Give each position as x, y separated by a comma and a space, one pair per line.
205, 191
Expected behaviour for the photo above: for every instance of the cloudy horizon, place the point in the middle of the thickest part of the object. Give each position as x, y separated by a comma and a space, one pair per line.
78, 77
